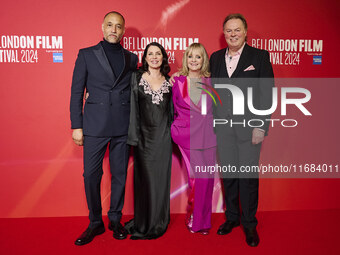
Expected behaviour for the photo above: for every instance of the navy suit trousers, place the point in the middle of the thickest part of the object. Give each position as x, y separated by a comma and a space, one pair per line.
94, 151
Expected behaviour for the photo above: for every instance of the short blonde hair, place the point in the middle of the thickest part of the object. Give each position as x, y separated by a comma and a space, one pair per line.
184, 70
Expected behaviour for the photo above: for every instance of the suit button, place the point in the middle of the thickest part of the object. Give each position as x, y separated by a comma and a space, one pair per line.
110, 91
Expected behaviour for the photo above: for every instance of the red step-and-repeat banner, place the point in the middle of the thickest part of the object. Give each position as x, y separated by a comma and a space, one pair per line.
41, 167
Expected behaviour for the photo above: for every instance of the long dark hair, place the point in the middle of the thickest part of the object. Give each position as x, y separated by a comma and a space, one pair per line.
165, 68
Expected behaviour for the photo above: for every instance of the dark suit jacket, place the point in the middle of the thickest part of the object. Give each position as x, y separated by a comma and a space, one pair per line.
262, 88
106, 111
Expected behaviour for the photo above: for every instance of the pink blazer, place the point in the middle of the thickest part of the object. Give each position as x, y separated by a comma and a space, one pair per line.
191, 129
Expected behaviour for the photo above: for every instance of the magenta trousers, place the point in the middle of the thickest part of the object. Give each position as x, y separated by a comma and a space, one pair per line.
201, 184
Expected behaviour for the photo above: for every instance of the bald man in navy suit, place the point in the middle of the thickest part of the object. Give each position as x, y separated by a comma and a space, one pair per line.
104, 72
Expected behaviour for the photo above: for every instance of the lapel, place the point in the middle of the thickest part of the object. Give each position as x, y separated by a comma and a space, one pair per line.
183, 89
184, 92
242, 62
126, 65
221, 66
104, 62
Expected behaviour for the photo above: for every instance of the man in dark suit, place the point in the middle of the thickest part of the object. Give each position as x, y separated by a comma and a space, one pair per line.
240, 144
104, 71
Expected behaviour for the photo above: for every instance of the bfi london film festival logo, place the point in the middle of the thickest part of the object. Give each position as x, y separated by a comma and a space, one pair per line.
239, 103
28, 48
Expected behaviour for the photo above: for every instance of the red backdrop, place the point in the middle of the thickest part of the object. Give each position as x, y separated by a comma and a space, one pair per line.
41, 168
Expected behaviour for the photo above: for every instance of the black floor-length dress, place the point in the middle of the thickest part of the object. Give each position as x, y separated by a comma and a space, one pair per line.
149, 133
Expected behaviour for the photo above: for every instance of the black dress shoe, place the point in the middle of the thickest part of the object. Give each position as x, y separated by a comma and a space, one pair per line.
89, 234
252, 238
119, 232
227, 226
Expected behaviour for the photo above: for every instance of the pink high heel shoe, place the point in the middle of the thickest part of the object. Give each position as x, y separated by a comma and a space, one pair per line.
189, 226
188, 222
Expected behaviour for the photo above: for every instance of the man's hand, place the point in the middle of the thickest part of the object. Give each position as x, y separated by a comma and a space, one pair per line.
258, 136
172, 78
78, 136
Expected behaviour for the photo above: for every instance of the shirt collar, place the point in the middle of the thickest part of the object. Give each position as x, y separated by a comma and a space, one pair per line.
238, 53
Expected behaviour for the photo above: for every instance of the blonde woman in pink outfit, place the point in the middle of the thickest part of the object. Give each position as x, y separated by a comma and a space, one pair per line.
194, 135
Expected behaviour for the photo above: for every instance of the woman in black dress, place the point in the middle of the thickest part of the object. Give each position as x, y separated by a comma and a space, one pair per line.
149, 133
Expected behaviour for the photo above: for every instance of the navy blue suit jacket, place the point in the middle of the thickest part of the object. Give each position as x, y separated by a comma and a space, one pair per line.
107, 109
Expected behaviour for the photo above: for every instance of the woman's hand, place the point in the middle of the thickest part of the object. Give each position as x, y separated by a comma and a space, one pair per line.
172, 78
